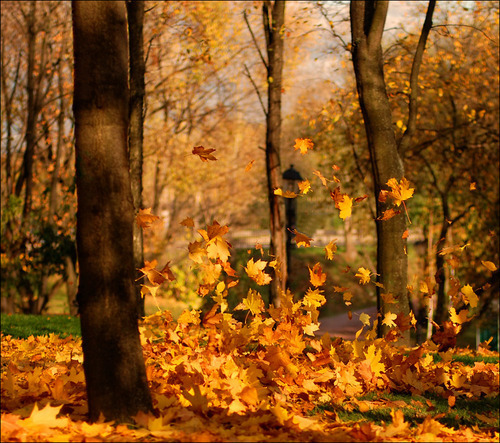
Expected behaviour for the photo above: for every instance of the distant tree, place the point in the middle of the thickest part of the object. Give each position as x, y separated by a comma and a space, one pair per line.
114, 367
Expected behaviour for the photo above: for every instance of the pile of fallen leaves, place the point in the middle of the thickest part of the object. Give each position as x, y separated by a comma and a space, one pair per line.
218, 379
264, 379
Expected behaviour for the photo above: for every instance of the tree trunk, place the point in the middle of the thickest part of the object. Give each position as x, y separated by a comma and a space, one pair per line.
135, 17
367, 26
273, 26
114, 367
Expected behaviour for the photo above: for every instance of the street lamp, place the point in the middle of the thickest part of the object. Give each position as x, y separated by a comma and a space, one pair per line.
291, 177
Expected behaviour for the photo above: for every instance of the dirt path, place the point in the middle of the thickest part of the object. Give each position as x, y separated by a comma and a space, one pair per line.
341, 326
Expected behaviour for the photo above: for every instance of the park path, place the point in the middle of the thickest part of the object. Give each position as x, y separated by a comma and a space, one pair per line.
341, 326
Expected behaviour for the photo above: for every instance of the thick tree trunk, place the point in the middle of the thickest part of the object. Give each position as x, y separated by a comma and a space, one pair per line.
114, 366
273, 26
367, 25
135, 17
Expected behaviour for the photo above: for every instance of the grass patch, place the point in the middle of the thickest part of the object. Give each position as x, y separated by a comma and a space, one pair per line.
22, 326
481, 412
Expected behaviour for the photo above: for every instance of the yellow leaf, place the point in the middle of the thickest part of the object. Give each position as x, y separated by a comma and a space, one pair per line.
489, 265
400, 191
345, 207
469, 296
365, 319
255, 271
323, 179
303, 144
196, 251
459, 318
286, 194
47, 417
331, 249
389, 319
363, 275
304, 187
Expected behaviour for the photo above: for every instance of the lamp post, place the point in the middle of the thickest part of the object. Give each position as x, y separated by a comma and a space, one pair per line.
291, 177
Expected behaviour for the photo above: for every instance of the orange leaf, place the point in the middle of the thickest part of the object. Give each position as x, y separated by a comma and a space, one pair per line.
303, 144
302, 239
249, 166
188, 222
317, 277
145, 219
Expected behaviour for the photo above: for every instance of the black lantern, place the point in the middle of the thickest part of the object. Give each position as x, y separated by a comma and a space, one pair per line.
291, 177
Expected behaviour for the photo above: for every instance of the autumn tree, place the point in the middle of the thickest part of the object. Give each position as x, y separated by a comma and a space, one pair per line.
113, 362
367, 29
135, 17
273, 15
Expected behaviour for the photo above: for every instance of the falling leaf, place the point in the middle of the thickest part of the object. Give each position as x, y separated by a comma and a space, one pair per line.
331, 249
389, 213
451, 249
204, 154
304, 186
188, 222
302, 239
317, 277
286, 194
360, 199
249, 166
303, 144
255, 271
469, 296
489, 265
345, 207
459, 318
472, 186
253, 302
363, 275
405, 234
145, 219
388, 320
365, 319
400, 191
323, 179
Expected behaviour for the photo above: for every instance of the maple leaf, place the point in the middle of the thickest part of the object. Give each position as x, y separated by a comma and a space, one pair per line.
255, 271
253, 302
360, 199
459, 318
400, 191
331, 249
302, 239
317, 277
304, 186
469, 296
363, 275
47, 417
388, 298
167, 272
187, 222
154, 276
451, 249
145, 219
204, 154
303, 144
314, 298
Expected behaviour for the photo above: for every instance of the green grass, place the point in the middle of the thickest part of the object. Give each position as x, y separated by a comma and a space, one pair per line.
466, 412
22, 326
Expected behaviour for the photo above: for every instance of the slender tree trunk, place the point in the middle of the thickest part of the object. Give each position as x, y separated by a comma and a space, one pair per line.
367, 26
274, 20
114, 367
135, 9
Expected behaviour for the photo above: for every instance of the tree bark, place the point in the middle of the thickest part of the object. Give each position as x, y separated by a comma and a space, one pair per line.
367, 26
274, 20
114, 366
135, 16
